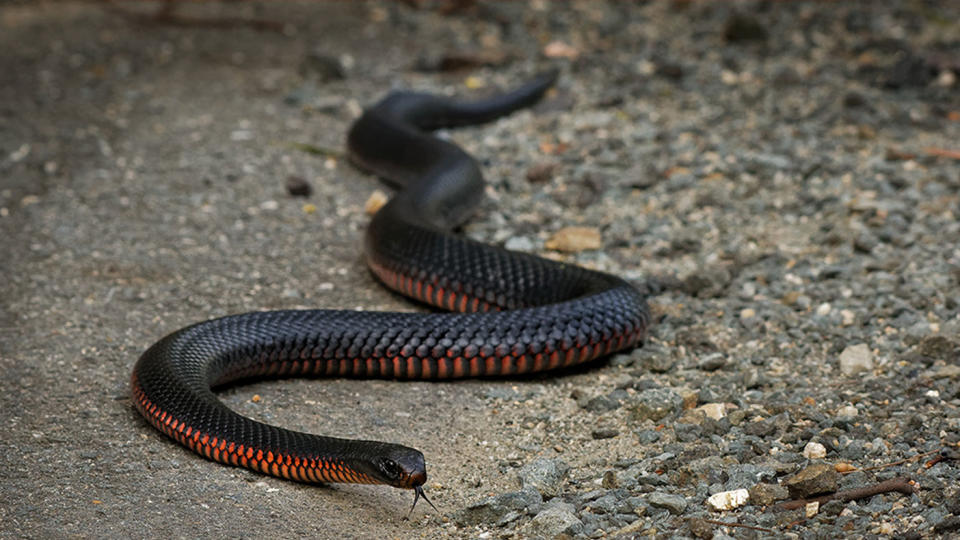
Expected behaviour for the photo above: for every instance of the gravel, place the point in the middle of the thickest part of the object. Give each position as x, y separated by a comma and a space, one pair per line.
781, 177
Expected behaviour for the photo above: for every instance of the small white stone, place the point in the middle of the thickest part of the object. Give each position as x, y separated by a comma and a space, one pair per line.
855, 359
728, 500
824, 309
20, 153
847, 411
715, 411
847, 317
812, 509
814, 450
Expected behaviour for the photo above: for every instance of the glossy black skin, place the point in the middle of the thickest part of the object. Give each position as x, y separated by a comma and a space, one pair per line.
545, 306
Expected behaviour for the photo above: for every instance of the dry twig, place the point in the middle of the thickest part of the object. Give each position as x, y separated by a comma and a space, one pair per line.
900, 484
741, 525
942, 152
894, 463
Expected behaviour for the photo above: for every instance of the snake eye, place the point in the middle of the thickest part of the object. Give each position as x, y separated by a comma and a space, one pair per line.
391, 469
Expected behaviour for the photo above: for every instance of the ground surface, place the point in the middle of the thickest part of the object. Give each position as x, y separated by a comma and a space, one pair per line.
781, 179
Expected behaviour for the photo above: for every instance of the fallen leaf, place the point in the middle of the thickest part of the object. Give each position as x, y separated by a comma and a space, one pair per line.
575, 239
375, 202
559, 49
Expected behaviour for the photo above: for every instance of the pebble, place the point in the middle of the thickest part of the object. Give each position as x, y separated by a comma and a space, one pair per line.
813, 480
728, 500
655, 404
847, 411
648, 436
297, 186
741, 27
492, 509
764, 494
653, 359
715, 411
554, 522
541, 172
676, 504
947, 524
601, 404
711, 362
700, 528
814, 450
604, 433
940, 348
323, 66
708, 283
856, 359
519, 243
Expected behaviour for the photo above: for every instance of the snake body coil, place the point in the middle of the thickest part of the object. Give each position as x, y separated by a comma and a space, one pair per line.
514, 313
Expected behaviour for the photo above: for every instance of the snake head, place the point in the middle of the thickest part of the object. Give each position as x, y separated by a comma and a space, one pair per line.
402, 468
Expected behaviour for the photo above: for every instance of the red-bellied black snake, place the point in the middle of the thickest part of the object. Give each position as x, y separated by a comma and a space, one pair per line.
513, 312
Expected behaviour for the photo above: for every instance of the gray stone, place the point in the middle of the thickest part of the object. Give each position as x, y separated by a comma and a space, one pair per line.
707, 283
323, 66
687, 432
604, 505
701, 467
766, 494
494, 509
746, 474
544, 475
711, 362
948, 524
813, 480
519, 243
655, 404
604, 433
652, 480
939, 348
856, 359
601, 404
676, 504
648, 436
553, 522
760, 428
865, 242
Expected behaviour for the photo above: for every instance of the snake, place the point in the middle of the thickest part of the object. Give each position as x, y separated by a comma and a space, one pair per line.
505, 312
